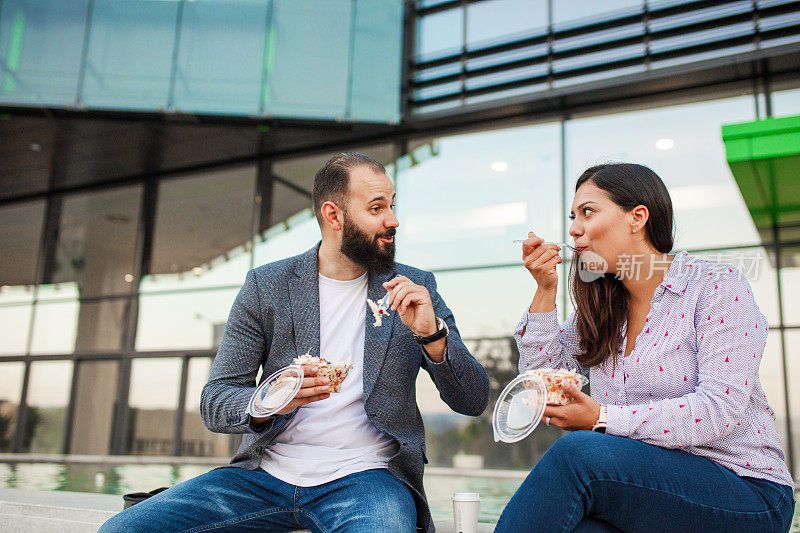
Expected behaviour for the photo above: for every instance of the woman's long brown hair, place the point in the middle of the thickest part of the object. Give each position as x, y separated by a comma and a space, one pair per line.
601, 306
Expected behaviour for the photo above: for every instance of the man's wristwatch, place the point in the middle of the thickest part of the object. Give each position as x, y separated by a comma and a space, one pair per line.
441, 333
600, 425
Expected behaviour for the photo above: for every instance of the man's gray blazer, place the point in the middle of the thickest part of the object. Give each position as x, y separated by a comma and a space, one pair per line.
275, 318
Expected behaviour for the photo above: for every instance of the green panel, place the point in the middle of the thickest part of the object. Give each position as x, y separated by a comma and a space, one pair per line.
762, 139
764, 157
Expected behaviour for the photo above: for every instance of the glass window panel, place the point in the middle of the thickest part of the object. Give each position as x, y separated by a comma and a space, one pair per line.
183, 320
97, 241
770, 374
465, 198
220, 56
489, 21
197, 440
790, 288
311, 44
440, 34
129, 59
683, 145
152, 400
774, 391
34, 71
95, 398
55, 327
16, 321
760, 273
11, 375
72, 325
291, 227
202, 231
48, 396
786, 103
576, 12
488, 302
22, 227
376, 65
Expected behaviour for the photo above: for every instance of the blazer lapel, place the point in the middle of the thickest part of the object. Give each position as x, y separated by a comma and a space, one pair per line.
376, 340
304, 295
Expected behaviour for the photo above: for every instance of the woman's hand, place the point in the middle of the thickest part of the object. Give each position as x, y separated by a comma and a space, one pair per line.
582, 413
541, 260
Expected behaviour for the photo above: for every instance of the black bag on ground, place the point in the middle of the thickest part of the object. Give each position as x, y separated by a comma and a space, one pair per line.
135, 497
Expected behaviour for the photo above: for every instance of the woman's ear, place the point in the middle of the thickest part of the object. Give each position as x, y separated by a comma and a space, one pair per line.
639, 217
332, 216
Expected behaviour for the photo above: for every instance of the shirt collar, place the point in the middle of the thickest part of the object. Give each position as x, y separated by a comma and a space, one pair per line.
678, 274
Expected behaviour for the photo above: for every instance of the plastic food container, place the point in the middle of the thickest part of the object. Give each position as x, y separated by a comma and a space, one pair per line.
276, 391
520, 407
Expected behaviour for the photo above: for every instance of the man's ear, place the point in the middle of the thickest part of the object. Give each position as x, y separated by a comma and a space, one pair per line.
332, 216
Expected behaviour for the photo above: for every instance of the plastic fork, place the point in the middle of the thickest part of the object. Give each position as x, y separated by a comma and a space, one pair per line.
517, 241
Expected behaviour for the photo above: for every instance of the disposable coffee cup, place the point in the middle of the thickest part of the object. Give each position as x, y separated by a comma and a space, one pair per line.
465, 511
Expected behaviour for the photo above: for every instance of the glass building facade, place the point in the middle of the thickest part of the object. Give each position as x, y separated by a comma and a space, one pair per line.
114, 296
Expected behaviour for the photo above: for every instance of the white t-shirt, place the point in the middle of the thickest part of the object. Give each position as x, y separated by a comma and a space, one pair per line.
331, 438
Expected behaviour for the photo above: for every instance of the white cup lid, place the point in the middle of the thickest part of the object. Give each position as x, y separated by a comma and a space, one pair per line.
466, 497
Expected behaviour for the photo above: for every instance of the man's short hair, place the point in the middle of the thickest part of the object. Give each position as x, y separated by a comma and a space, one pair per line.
332, 180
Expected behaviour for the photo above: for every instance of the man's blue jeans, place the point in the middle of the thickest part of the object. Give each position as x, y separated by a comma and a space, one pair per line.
237, 499
589, 481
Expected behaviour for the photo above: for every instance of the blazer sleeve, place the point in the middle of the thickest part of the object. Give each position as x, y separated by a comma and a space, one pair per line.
248, 332
462, 381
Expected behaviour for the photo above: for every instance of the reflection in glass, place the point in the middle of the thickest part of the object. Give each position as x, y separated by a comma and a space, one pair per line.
16, 321
183, 320
202, 231
377, 47
790, 287
97, 241
578, 12
11, 375
308, 43
488, 21
48, 395
129, 55
771, 376
55, 327
220, 56
440, 34
793, 375
197, 440
152, 401
756, 267
683, 145
66, 326
786, 103
33, 70
22, 227
469, 196
95, 398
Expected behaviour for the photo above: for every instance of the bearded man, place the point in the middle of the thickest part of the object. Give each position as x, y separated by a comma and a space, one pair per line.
348, 461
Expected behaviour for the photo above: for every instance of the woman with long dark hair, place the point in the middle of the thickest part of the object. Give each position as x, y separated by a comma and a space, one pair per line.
683, 438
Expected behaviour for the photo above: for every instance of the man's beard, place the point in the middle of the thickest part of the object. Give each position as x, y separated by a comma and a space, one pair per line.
366, 251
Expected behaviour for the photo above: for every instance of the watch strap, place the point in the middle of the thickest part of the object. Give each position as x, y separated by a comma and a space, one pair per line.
440, 333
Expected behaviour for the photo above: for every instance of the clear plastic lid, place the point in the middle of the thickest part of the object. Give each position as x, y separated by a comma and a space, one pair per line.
521, 404
519, 408
276, 391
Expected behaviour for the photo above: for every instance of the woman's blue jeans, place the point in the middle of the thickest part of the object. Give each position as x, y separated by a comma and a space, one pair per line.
589, 481
237, 499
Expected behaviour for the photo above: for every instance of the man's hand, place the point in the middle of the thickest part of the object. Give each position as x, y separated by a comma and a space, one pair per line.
313, 389
580, 414
413, 303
